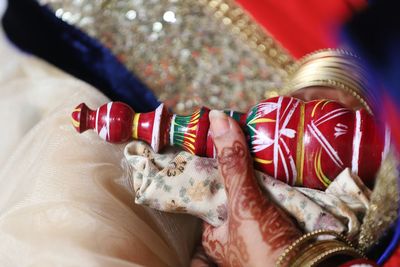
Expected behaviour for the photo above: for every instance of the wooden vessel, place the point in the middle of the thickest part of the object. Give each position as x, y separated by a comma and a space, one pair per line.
304, 144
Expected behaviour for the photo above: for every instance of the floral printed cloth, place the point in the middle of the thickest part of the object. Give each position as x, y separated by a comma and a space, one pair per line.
177, 181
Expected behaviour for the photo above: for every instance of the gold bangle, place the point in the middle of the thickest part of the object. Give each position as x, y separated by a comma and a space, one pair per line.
333, 252
309, 236
296, 245
329, 52
334, 68
314, 250
310, 77
341, 73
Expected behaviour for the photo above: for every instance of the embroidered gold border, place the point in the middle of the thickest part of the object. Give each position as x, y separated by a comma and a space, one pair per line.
242, 24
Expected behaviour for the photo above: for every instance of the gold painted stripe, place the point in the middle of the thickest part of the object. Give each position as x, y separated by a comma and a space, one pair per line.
318, 169
192, 140
300, 147
75, 123
326, 102
315, 107
261, 120
234, 17
188, 144
191, 135
193, 128
135, 125
262, 161
191, 151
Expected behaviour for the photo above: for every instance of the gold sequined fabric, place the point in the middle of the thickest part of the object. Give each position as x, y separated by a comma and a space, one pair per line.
384, 204
186, 51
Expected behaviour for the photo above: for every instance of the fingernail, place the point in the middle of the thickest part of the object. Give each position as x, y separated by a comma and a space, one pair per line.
219, 123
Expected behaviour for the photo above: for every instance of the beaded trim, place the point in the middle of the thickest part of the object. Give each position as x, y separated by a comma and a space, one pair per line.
303, 239
245, 26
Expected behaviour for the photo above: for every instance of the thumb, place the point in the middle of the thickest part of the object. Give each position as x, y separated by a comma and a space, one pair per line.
232, 152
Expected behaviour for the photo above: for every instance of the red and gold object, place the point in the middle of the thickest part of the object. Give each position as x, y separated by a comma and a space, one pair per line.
305, 144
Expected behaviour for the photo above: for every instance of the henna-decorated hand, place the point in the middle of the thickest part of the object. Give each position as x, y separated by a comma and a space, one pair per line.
256, 231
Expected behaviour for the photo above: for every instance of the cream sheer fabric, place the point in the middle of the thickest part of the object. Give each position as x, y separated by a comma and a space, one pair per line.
64, 197
29, 89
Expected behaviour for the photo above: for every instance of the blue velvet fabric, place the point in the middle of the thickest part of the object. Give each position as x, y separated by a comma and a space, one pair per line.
35, 29
375, 35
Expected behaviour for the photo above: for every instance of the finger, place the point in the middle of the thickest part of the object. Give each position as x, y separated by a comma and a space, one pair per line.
214, 239
232, 152
200, 258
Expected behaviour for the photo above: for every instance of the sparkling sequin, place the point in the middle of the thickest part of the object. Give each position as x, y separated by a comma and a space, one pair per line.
384, 204
179, 49
131, 14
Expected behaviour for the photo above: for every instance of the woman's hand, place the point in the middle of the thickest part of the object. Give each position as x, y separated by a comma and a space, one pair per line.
256, 231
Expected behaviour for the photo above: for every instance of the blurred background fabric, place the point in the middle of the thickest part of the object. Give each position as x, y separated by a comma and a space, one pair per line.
222, 54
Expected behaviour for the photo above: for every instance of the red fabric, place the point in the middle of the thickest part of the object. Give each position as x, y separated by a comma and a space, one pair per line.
394, 260
303, 26
391, 114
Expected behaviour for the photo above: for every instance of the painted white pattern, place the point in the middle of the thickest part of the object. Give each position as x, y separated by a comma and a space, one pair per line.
231, 113
294, 169
333, 116
172, 130
109, 106
356, 144
155, 138
103, 132
262, 140
330, 115
285, 145
284, 164
289, 116
276, 137
325, 144
291, 161
265, 108
340, 129
288, 133
287, 107
97, 119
